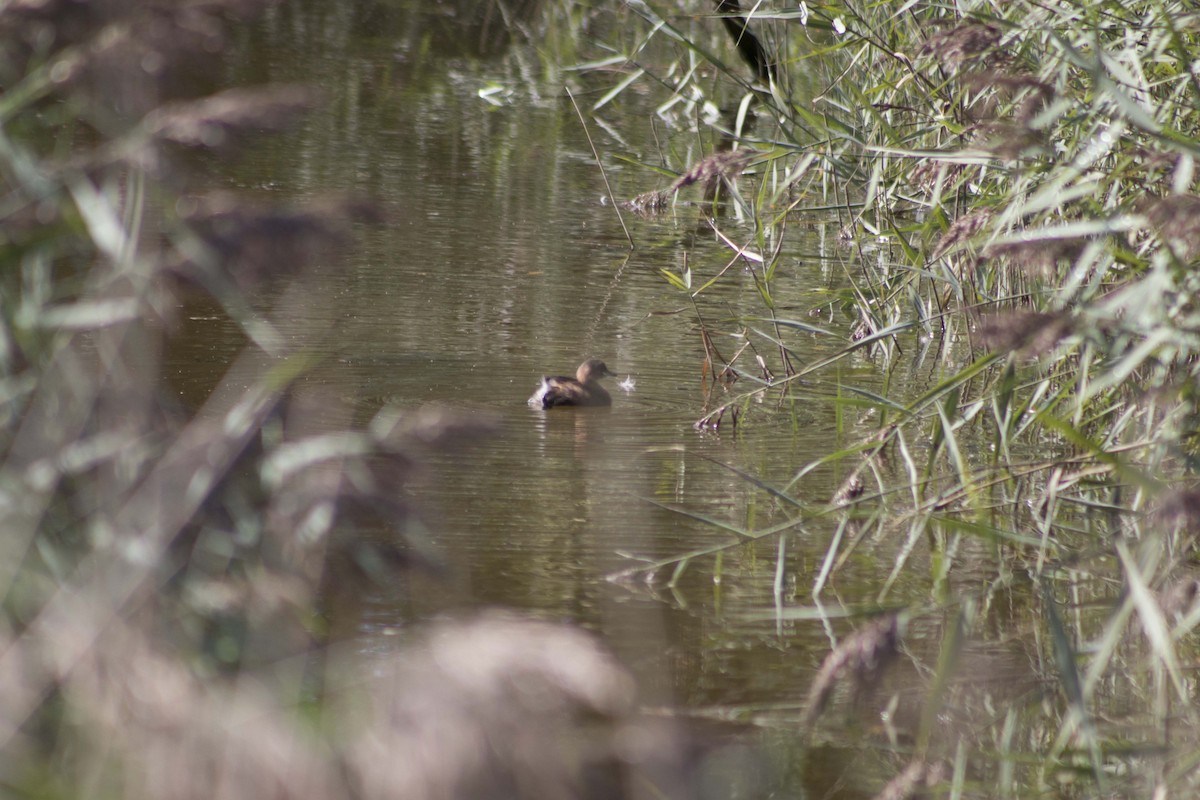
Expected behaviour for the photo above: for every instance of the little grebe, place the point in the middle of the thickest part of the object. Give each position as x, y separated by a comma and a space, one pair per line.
582, 390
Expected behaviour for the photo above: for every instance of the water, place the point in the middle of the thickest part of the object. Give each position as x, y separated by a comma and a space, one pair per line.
501, 259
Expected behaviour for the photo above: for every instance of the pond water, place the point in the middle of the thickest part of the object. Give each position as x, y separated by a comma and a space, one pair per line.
501, 259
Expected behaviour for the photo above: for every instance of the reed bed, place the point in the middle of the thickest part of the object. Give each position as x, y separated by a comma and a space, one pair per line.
1015, 187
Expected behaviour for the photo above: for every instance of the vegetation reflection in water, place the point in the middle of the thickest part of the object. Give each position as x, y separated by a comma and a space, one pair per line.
932, 530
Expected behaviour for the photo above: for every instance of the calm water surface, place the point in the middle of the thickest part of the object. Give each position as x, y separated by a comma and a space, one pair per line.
501, 260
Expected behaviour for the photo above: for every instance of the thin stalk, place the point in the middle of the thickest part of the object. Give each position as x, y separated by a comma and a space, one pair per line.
596, 153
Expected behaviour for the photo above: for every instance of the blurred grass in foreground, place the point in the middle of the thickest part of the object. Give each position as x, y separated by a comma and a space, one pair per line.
169, 573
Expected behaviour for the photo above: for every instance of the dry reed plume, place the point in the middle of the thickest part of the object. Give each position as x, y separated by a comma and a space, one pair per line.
722, 165
1030, 333
963, 44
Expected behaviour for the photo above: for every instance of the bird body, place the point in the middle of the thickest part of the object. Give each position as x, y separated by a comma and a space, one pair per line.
582, 390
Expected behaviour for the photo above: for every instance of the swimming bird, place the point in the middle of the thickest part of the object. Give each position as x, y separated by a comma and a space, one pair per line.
582, 390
